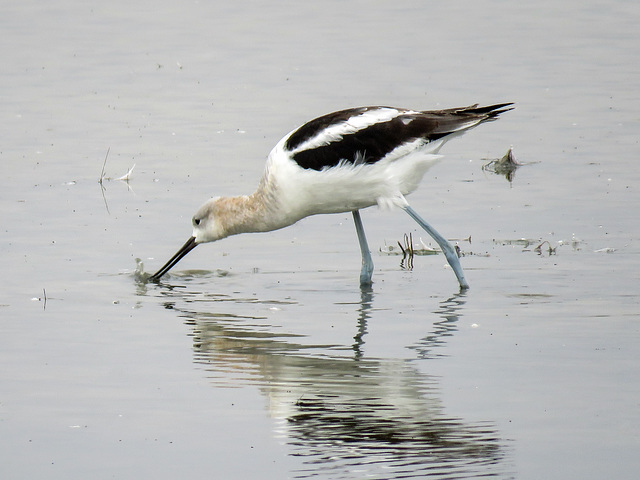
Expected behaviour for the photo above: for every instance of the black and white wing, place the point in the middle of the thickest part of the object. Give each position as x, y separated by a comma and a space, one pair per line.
369, 134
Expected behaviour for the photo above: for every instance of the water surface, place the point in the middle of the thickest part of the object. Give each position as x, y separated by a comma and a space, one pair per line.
260, 356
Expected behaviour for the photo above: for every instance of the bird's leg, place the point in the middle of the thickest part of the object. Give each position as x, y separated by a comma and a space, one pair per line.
447, 249
367, 262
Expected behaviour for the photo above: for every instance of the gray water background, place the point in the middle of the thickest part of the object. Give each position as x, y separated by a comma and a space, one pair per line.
260, 356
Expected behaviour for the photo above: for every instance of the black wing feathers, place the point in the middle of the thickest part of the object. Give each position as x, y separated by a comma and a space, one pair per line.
373, 142
313, 127
369, 144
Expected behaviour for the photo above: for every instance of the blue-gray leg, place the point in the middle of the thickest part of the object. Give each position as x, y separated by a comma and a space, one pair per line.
447, 249
367, 263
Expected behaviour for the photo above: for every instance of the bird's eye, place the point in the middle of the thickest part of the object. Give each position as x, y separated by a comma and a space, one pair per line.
196, 221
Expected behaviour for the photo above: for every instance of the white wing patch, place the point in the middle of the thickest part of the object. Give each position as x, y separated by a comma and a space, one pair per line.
334, 133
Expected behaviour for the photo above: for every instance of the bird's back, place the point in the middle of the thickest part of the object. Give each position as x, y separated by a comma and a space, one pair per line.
369, 134
364, 156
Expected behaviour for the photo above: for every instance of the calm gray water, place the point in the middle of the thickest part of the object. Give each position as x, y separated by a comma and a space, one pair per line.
260, 357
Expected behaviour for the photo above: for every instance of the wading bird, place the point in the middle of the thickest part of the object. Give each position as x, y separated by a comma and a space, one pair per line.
342, 162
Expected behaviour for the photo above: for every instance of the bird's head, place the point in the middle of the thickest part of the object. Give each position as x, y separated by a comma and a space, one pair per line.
207, 225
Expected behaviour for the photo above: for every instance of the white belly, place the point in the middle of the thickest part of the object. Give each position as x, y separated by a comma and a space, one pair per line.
304, 192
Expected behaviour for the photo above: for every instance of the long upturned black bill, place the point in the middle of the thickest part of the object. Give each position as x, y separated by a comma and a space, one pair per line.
186, 248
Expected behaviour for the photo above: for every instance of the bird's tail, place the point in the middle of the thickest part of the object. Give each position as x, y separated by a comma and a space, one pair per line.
490, 111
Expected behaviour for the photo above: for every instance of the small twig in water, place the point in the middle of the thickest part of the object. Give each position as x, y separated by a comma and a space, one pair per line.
104, 164
550, 251
407, 252
126, 177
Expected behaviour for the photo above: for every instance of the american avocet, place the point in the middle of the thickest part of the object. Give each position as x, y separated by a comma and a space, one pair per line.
342, 162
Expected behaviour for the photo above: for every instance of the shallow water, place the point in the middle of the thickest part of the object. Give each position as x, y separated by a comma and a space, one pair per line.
259, 355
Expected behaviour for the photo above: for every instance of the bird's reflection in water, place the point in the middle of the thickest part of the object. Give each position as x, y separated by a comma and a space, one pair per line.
349, 416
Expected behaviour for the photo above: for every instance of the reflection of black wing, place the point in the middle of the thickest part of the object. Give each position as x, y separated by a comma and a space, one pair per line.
387, 432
